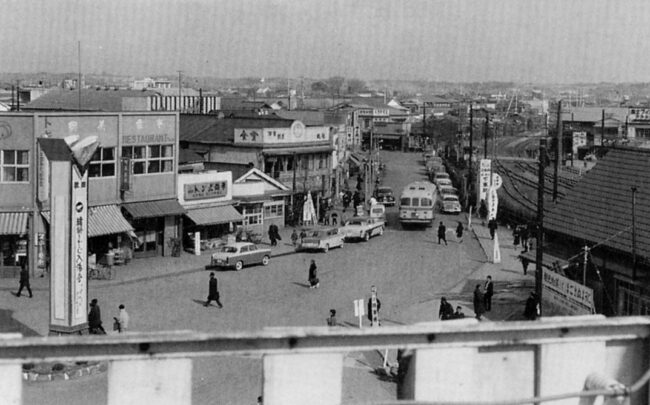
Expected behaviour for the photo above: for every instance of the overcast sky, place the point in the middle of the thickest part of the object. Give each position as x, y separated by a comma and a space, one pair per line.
452, 40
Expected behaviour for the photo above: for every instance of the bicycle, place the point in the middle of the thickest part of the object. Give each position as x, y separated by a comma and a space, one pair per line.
101, 272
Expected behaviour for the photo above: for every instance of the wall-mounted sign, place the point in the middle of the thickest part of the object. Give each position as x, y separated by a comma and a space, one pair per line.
568, 296
5, 130
126, 174
297, 133
78, 243
484, 178
202, 191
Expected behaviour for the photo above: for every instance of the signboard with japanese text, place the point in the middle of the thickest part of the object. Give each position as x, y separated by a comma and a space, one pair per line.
567, 296
579, 139
126, 173
148, 129
296, 133
202, 191
485, 167
78, 245
492, 202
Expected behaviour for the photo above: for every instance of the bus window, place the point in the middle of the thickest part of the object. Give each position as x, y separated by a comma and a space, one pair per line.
415, 202
426, 202
405, 201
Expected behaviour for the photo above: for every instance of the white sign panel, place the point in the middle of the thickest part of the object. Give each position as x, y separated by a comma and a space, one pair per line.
567, 295
78, 245
492, 203
484, 170
296, 133
579, 139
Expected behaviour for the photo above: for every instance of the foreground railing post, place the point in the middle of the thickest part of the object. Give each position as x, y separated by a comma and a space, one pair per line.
11, 377
159, 382
311, 378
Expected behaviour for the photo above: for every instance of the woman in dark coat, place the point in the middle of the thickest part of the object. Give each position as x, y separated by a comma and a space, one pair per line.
479, 309
459, 232
446, 310
313, 275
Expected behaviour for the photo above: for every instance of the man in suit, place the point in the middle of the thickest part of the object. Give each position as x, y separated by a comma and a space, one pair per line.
213, 291
489, 292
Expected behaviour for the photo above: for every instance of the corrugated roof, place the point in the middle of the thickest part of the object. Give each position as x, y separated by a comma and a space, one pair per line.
151, 209
599, 207
91, 100
13, 223
103, 220
214, 215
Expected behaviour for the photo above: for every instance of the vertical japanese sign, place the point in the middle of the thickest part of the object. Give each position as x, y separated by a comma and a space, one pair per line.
126, 174
485, 167
79, 243
374, 307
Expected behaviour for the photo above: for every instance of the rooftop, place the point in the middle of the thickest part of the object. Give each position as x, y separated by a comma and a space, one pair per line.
91, 100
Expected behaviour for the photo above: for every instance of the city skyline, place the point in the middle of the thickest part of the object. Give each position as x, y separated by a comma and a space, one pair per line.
460, 41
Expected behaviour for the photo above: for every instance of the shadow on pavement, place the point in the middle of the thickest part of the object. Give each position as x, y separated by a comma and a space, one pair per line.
301, 284
200, 302
9, 325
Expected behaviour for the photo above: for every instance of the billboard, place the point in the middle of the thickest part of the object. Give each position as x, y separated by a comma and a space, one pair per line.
565, 295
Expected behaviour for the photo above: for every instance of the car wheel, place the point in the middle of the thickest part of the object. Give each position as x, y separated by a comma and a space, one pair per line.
326, 248
239, 265
366, 236
265, 260
381, 231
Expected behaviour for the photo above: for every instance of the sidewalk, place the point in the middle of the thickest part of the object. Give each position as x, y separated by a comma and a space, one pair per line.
511, 286
157, 267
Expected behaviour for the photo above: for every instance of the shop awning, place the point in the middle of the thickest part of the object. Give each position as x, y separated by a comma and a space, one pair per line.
214, 215
13, 223
297, 150
151, 209
548, 260
103, 220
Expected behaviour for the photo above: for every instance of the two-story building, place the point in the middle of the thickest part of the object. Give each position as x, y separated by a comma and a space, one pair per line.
132, 181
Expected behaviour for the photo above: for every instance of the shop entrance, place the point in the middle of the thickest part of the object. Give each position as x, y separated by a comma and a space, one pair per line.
149, 237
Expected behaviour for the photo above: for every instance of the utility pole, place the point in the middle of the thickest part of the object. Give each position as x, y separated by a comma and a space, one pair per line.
540, 222
485, 135
471, 150
634, 232
602, 127
558, 150
293, 190
79, 84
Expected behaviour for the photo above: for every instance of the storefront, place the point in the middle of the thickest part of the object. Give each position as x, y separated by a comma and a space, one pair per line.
210, 216
262, 200
13, 240
155, 224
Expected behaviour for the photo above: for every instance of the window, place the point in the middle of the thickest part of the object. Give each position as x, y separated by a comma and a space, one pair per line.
103, 163
321, 162
150, 159
273, 210
15, 166
405, 201
253, 215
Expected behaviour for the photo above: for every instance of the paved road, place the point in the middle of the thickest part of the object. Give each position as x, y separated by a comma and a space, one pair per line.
408, 267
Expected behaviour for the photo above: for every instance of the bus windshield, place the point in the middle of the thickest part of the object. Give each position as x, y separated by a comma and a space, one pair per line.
405, 201
426, 202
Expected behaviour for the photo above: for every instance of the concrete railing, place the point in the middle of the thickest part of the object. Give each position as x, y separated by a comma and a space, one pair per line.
451, 361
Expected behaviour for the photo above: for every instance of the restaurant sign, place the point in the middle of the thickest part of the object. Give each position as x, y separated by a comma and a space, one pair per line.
204, 191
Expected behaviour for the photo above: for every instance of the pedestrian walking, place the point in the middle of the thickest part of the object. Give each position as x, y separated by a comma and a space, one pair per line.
446, 310
492, 226
213, 291
95, 319
331, 321
524, 234
294, 237
442, 233
24, 280
524, 262
370, 314
531, 311
272, 236
459, 232
313, 275
458, 314
479, 309
489, 292
516, 235
121, 322
303, 235
482, 210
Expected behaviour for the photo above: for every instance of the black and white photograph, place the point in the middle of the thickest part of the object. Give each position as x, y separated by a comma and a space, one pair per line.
324, 202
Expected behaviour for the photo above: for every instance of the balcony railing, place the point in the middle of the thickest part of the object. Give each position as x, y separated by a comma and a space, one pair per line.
451, 361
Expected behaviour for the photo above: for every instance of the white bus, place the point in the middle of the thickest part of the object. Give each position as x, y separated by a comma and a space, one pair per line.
416, 203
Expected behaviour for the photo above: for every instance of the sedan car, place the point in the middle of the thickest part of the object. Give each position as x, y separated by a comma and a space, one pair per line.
442, 183
321, 239
450, 204
448, 190
240, 254
384, 195
363, 228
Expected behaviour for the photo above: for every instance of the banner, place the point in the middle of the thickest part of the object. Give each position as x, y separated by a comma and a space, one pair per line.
569, 297
485, 167
492, 203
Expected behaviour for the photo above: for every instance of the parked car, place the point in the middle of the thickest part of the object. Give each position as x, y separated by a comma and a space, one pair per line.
385, 196
443, 183
240, 254
322, 239
450, 204
363, 228
443, 190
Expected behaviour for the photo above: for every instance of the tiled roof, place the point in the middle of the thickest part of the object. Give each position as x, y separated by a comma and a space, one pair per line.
212, 129
599, 207
91, 100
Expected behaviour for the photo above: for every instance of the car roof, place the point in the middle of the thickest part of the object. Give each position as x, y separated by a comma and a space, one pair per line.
239, 244
385, 188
